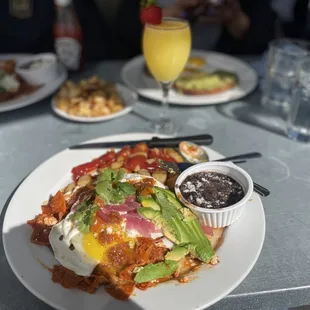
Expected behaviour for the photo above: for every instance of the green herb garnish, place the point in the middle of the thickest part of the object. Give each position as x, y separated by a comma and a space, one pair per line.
84, 216
110, 189
111, 175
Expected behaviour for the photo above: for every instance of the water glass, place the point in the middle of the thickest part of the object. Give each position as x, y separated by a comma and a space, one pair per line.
298, 121
283, 58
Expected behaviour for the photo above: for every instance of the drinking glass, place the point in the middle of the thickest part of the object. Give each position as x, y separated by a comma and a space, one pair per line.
298, 122
283, 58
166, 48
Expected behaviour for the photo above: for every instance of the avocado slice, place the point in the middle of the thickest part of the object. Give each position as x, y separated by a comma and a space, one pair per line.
159, 221
156, 271
177, 253
188, 214
149, 202
172, 198
170, 193
184, 225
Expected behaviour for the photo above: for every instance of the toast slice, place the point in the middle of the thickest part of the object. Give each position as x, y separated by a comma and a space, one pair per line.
218, 237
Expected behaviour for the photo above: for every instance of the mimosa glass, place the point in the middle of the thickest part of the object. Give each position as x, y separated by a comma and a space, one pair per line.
166, 49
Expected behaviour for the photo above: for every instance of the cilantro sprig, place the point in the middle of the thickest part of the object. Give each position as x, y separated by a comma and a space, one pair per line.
84, 215
110, 189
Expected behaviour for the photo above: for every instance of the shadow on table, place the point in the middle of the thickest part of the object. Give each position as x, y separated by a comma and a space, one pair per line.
250, 111
13, 292
39, 108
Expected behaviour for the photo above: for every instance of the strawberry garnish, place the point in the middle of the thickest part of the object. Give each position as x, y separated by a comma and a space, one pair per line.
150, 13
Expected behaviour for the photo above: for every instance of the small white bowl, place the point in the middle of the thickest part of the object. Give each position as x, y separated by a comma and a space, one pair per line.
46, 72
218, 217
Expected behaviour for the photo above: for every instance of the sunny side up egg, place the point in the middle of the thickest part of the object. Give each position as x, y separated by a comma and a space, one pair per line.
76, 251
80, 252
68, 242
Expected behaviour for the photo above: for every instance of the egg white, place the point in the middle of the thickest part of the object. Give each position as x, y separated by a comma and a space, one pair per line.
135, 177
62, 236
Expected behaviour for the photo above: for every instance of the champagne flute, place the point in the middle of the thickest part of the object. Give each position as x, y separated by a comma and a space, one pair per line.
166, 48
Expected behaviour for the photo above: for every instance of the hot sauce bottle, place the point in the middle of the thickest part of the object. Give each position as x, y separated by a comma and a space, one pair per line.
68, 35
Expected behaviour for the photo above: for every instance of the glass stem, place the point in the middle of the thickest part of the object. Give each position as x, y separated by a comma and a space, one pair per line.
164, 104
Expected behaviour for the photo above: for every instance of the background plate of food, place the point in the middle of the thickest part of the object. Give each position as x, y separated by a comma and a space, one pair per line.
34, 264
92, 100
208, 78
21, 79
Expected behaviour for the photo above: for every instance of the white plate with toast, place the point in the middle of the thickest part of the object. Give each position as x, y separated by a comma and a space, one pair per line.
238, 253
133, 74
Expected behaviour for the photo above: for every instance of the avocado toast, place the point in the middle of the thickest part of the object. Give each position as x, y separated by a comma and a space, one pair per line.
206, 83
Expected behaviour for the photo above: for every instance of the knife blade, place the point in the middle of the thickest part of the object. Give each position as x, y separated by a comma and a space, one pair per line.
154, 142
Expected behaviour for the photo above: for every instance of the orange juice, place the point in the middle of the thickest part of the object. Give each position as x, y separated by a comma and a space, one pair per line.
166, 48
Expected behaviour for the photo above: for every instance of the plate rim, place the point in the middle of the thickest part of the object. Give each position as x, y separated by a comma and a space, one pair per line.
26, 100
80, 119
202, 102
106, 138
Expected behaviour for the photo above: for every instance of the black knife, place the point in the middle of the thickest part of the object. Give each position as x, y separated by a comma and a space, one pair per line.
154, 142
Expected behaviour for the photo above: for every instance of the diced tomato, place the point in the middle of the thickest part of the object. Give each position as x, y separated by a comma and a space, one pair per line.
124, 152
107, 163
159, 154
106, 157
140, 147
135, 163
83, 169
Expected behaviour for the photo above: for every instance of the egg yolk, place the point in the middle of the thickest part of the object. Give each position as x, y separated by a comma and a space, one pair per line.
94, 249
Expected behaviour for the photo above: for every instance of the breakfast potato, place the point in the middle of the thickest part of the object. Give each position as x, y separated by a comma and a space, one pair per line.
84, 180
160, 175
89, 98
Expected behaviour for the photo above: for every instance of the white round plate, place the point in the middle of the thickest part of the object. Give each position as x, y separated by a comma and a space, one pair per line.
128, 96
133, 75
207, 286
44, 91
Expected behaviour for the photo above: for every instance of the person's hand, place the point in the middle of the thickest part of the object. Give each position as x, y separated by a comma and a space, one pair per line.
182, 7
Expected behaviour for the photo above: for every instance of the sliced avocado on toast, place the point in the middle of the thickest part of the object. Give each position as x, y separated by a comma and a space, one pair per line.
149, 202
206, 83
177, 253
179, 224
153, 272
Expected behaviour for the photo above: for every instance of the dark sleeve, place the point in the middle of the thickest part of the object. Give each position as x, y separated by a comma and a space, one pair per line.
27, 35
127, 30
261, 32
96, 35
297, 28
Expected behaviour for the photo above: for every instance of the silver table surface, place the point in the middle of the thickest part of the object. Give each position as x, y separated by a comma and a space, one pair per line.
281, 276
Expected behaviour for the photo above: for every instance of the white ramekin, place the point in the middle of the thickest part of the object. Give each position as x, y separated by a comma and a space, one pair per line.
218, 217
40, 75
